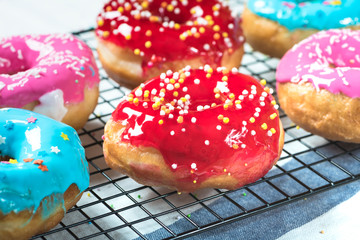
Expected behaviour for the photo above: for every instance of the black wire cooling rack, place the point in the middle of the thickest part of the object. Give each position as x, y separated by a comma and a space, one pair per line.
116, 207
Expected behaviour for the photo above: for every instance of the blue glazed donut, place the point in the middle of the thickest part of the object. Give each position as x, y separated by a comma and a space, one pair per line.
315, 14
43, 172
275, 26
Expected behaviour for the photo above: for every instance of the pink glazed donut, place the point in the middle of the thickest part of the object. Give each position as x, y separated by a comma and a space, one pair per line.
318, 84
55, 75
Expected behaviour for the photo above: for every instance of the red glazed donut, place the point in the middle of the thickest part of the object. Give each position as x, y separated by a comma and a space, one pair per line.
140, 39
195, 129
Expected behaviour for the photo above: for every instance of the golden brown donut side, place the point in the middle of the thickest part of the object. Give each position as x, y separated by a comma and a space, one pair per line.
146, 165
333, 116
24, 224
77, 113
122, 65
269, 37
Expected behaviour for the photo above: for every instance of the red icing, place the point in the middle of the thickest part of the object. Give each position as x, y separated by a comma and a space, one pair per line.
166, 45
202, 142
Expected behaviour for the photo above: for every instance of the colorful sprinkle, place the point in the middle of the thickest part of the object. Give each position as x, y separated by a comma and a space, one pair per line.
13, 161
28, 159
38, 162
43, 168
31, 119
55, 149
64, 136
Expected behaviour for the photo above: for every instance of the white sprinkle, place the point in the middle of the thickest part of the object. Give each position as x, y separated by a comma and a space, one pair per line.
170, 87
183, 129
245, 92
138, 92
207, 67
20, 56
253, 132
243, 145
172, 133
207, 142
154, 91
162, 113
197, 81
251, 96
218, 127
174, 166
162, 76
200, 108
185, 89
258, 109
244, 123
193, 165
256, 114
262, 104
171, 116
269, 133
145, 105
206, 47
193, 120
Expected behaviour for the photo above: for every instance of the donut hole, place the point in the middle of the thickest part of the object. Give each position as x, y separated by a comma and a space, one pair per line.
15, 69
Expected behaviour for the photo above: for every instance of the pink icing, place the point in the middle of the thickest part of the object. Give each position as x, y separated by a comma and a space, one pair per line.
329, 60
33, 65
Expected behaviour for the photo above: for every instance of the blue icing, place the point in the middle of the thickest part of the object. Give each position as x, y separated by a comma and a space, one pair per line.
23, 185
316, 14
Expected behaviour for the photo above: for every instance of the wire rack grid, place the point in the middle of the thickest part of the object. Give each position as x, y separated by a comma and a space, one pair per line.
116, 207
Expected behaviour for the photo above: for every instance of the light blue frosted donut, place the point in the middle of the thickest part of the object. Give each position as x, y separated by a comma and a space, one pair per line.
24, 182
315, 14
